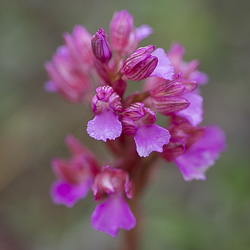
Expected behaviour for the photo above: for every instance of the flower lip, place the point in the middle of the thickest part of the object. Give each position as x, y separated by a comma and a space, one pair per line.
150, 138
112, 214
105, 125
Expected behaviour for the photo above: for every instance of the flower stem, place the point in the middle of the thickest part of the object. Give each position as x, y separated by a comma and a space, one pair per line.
132, 238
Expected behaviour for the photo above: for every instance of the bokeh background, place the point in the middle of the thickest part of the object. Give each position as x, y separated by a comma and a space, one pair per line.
179, 215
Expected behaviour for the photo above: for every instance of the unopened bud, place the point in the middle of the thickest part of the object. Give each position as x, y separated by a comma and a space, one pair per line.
120, 28
169, 104
79, 46
172, 150
140, 64
101, 47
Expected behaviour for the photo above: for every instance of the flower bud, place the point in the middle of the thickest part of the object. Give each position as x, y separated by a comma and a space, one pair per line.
106, 97
183, 132
66, 77
101, 47
79, 46
167, 99
140, 64
172, 150
168, 88
169, 104
121, 26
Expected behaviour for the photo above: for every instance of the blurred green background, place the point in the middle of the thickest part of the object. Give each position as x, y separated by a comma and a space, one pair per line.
179, 215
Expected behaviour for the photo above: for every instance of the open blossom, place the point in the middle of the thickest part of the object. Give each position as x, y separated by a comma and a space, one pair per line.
75, 176
74, 181
106, 124
183, 136
113, 213
193, 149
140, 121
127, 122
194, 163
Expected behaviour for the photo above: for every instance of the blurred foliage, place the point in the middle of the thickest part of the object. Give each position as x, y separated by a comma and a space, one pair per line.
178, 215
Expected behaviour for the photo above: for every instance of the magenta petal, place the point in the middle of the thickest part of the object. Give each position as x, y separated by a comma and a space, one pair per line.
113, 214
164, 68
105, 125
143, 31
68, 194
200, 156
194, 113
150, 138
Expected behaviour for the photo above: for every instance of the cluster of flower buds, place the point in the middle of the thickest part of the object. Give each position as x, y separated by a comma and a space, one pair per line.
96, 70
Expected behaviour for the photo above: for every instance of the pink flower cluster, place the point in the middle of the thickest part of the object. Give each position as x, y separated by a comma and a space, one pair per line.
96, 70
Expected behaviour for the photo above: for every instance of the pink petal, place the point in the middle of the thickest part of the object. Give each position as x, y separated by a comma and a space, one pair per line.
74, 145
200, 77
176, 53
68, 194
105, 125
194, 113
113, 214
143, 32
150, 138
200, 156
164, 68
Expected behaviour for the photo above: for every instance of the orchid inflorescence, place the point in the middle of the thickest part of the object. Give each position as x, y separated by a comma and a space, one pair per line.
128, 124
